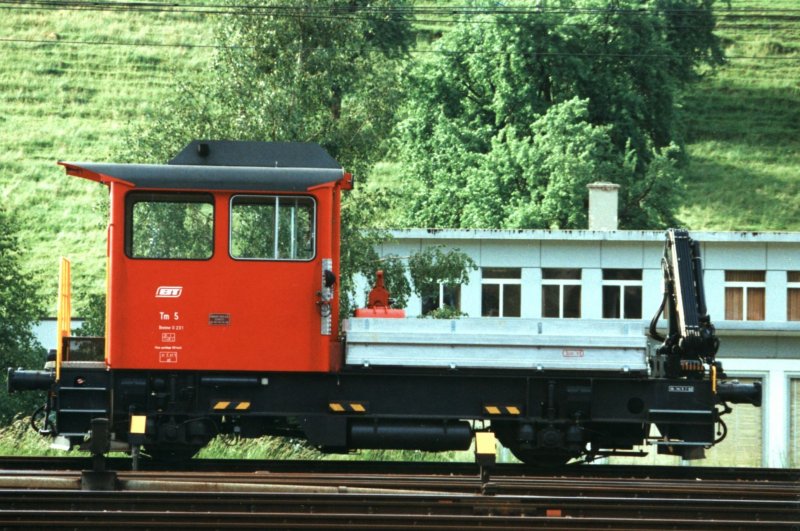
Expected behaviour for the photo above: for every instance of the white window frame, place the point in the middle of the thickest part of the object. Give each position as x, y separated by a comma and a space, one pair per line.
622, 284
502, 282
790, 285
440, 301
746, 285
561, 282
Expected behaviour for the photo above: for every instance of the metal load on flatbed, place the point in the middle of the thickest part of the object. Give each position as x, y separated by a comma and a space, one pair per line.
536, 344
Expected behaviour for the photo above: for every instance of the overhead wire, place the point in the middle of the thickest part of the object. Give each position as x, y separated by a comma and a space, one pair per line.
288, 11
197, 45
305, 10
447, 15
526, 7
53, 42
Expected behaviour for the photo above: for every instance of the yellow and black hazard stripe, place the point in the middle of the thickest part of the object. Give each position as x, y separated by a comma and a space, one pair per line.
497, 410
347, 407
230, 405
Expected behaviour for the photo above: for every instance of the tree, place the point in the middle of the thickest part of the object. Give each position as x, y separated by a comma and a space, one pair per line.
426, 270
20, 308
325, 71
518, 110
93, 312
432, 267
394, 278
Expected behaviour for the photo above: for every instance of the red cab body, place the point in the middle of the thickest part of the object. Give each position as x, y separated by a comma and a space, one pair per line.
219, 261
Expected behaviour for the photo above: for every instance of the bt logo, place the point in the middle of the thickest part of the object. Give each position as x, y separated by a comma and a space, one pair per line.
169, 292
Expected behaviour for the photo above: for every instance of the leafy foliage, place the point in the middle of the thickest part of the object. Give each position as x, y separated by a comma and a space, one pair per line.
394, 279
444, 312
20, 308
172, 229
433, 266
17, 438
327, 79
254, 233
332, 79
93, 311
284, 448
518, 112
422, 272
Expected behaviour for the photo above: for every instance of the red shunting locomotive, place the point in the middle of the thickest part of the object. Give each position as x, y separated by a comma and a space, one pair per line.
222, 317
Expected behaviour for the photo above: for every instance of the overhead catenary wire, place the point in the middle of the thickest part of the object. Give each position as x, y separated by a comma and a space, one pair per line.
306, 10
54, 42
446, 14
524, 6
452, 15
129, 7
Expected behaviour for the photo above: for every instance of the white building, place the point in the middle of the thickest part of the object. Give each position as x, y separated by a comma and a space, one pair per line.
752, 283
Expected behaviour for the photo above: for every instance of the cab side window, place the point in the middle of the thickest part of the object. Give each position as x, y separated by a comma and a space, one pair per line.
169, 226
272, 228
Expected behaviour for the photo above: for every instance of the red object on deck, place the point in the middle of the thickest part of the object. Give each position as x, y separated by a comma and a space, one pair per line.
382, 313
378, 305
379, 296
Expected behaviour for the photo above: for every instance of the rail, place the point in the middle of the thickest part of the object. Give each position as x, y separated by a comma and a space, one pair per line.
353, 495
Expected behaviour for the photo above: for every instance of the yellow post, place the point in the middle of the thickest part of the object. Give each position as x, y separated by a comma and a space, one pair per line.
713, 378
485, 448
64, 316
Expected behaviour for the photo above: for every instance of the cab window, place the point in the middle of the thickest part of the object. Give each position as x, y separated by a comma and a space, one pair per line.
169, 226
272, 228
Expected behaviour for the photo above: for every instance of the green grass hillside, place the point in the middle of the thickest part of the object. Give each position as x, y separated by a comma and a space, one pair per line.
63, 100
60, 100
744, 124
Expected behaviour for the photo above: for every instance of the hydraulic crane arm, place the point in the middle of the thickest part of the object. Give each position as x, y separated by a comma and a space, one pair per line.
690, 344
691, 339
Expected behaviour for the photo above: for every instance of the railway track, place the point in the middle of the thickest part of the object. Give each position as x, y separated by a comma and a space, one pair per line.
399, 495
412, 467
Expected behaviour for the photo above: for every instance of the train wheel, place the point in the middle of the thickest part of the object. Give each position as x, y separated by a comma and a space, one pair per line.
509, 435
540, 458
171, 453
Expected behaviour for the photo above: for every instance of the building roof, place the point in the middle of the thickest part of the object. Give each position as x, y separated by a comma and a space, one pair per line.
590, 235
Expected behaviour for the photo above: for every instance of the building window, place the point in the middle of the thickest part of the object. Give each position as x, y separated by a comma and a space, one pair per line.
500, 291
561, 292
793, 296
745, 294
448, 296
622, 293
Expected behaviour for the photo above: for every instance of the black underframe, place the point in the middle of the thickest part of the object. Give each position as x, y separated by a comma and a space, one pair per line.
613, 412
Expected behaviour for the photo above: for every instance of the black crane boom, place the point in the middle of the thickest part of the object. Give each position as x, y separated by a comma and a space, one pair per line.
690, 344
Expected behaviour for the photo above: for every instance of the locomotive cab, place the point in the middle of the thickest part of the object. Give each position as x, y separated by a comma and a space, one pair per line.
226, 258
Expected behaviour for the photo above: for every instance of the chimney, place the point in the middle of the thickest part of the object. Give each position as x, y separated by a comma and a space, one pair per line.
603, 206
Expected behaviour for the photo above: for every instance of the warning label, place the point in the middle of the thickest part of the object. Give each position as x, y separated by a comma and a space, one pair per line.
167, 357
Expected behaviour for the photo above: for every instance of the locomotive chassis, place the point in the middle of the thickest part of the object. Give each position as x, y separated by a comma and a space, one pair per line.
541, 418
